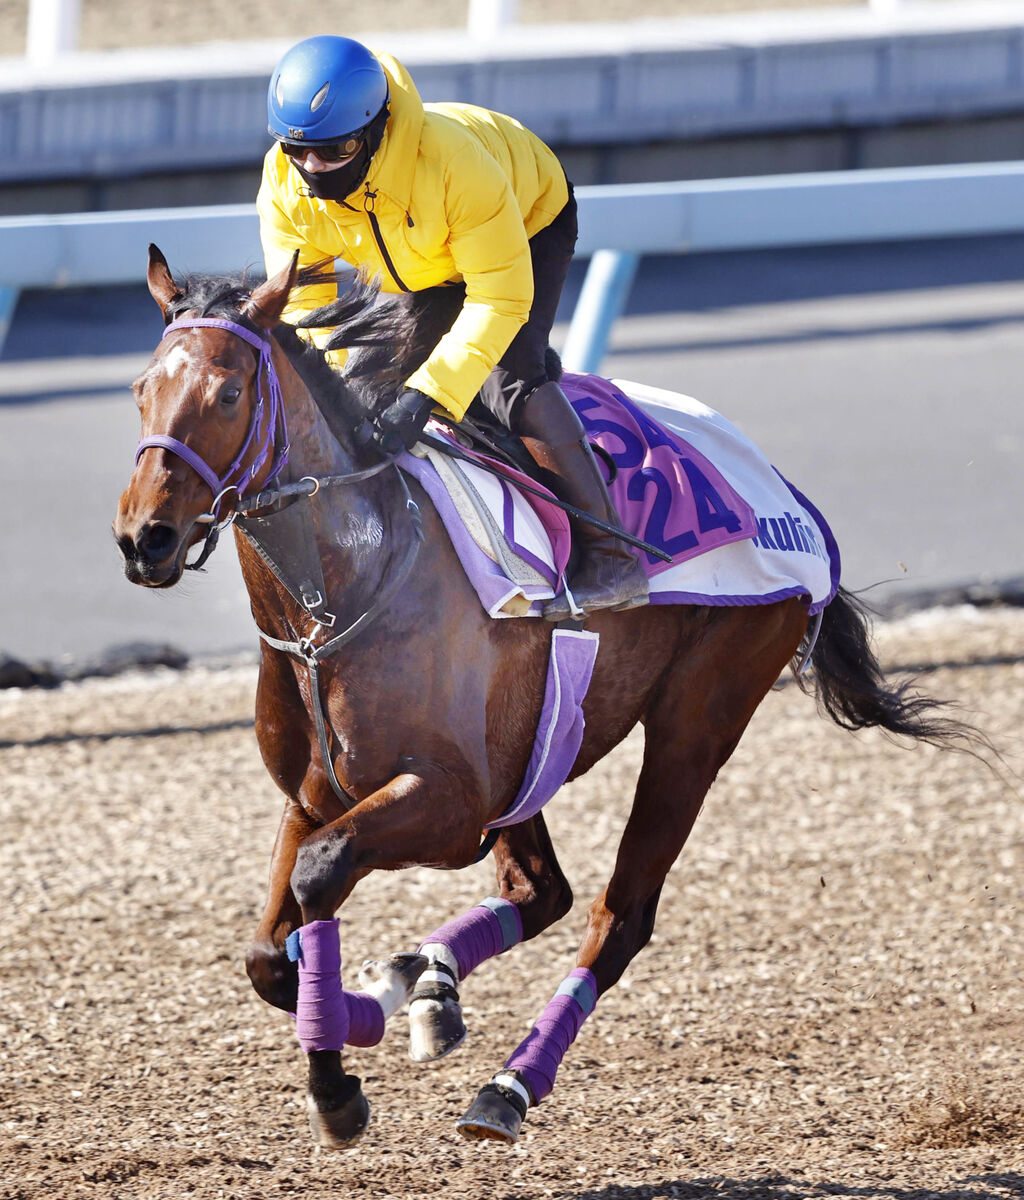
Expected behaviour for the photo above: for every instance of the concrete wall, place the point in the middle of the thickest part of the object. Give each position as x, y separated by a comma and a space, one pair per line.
800, 90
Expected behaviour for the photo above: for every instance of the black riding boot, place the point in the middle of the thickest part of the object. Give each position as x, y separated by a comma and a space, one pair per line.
608, 575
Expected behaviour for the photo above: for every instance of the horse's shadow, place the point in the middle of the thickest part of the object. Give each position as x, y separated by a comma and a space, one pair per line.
779, 1187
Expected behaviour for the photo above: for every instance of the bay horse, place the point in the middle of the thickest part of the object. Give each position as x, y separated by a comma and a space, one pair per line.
397, 741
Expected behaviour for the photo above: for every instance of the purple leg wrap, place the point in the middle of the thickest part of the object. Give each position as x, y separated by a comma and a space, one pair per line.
485, 931
538, 1056
365, 1020
326, 1016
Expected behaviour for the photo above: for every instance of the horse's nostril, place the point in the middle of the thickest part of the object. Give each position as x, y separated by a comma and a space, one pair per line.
156, 541
125, 545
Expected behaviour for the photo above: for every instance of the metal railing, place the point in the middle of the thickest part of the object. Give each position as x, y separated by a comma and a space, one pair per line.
618, 224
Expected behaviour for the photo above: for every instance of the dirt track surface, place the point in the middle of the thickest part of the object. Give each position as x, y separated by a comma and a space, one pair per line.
833, 1003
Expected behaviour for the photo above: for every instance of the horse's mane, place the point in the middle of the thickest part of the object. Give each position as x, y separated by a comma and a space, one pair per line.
212, 296
388, 336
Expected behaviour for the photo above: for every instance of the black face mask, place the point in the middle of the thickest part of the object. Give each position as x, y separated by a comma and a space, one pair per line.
336, 185
340, 184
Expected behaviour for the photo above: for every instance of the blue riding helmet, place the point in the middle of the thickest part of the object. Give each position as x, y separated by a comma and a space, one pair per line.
324, 89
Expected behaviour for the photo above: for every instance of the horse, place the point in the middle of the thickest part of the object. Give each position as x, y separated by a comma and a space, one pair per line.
395, 716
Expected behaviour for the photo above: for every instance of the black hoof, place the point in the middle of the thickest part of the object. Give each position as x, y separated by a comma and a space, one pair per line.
436, 1027
435, 1017
341, 1126
495, 1115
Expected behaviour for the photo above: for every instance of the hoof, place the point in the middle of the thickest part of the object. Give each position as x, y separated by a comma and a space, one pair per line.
397, 971
339, 1128
495, 1115
436, 1027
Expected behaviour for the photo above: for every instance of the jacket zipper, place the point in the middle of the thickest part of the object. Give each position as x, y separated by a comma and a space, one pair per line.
368, 200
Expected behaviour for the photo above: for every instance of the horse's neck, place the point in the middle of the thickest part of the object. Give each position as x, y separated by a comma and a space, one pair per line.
314, 448
352, 521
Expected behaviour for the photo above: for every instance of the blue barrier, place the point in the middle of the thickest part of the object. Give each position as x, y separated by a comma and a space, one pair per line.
629, 220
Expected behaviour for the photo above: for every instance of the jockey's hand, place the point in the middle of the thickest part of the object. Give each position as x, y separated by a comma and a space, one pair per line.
399, 426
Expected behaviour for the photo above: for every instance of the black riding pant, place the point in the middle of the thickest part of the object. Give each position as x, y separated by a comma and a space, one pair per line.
522, 366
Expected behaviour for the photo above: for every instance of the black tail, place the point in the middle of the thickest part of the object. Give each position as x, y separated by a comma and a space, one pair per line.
851, 687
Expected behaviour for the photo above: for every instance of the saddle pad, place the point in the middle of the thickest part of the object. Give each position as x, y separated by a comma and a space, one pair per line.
687, 481
511, 534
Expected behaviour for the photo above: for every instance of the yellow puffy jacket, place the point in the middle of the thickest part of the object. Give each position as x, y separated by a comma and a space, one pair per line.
456, 191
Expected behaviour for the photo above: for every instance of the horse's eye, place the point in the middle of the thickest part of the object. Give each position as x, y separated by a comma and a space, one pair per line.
230, 395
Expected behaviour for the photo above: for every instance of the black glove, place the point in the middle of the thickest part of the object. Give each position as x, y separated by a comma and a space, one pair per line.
399, 426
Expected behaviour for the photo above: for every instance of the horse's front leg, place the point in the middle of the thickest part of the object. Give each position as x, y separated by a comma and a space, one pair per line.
275, 978
427, 816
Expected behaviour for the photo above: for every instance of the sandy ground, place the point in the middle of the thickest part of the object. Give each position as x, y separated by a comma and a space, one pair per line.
833, 1003
113, 24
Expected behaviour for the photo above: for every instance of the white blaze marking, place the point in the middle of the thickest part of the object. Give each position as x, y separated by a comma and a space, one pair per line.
174, 360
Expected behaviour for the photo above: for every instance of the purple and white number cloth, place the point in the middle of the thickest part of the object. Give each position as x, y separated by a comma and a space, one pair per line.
665, 490
687, 481
791, 552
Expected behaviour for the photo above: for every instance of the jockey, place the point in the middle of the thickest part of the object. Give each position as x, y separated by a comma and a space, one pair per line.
422, 195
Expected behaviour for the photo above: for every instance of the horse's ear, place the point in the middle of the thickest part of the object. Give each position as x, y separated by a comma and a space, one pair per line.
265, 305
162, 287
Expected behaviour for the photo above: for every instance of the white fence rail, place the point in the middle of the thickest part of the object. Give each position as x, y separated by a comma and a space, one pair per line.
618, 224
109, 123
53, 24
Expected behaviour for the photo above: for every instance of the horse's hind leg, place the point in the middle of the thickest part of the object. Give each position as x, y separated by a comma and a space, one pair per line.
692, 727
533, 894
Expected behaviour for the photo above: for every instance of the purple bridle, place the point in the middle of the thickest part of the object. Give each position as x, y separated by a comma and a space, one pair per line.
275, 438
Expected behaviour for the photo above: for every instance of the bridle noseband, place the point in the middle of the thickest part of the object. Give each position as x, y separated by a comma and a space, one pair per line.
273, 442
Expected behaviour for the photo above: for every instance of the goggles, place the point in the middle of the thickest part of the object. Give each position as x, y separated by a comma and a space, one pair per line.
332, 152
